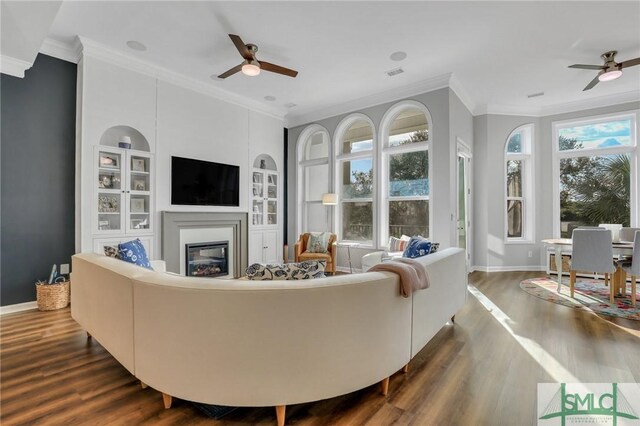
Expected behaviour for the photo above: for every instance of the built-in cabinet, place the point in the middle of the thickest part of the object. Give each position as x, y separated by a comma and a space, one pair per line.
264, 241
123, 203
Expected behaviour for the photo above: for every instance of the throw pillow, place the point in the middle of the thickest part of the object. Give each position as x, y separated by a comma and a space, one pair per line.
396, 244
111, 251
318, 242
434, 247
417, 247
287, 271
134, 252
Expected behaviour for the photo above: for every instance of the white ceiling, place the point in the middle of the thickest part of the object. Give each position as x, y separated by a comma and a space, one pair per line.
499, 52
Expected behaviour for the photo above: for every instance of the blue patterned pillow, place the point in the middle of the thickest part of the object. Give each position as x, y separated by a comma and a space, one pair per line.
133, 252
417, 247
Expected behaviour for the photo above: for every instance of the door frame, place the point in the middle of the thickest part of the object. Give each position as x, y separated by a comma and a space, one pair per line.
463, 150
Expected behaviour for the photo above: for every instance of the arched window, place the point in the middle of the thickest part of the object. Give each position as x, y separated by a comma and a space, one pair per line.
355, 180
313, 179
519, 185
405, 184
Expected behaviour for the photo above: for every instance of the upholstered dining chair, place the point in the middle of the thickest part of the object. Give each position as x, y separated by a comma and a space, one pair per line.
632, 268
592, 252
301, 253
627, 234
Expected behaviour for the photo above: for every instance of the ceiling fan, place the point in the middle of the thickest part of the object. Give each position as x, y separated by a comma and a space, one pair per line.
609, 71
251, 66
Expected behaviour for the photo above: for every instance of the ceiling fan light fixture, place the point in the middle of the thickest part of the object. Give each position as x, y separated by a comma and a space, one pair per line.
610, 75
251, 68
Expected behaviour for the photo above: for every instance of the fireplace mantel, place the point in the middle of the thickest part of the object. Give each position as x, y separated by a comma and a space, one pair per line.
174, 222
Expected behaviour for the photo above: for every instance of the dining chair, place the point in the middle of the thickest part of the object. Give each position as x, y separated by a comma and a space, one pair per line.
607, 277
592, 252
632, 268
627, 234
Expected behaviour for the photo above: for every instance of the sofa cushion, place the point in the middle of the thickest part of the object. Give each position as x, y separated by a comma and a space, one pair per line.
315, 256
417, 247
287, 271
318, 242
134, 252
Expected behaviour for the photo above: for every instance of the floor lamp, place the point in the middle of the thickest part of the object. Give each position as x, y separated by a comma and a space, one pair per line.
329, 199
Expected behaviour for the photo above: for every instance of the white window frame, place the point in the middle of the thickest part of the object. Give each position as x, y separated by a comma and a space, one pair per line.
385, 153
301, 145
526, 157
340, 158
631, 149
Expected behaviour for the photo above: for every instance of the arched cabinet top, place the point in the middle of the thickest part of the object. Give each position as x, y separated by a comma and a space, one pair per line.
116, 134
265, 161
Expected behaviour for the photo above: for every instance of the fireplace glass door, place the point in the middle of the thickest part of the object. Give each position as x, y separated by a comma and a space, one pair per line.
207, 259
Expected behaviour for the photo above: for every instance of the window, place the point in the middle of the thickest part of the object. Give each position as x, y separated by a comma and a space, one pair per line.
519, 185
313, 180
405, 177
595, 171
355, 179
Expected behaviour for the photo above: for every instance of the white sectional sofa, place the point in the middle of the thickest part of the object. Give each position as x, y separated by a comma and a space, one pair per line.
261, 343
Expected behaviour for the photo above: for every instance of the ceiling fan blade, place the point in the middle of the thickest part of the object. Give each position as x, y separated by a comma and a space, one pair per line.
277, 69
242, 48
629, 63
592, 83
588, 67
232, 71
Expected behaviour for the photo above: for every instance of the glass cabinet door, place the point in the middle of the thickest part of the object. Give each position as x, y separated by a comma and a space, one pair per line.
139, 193
258, 198
110, 191
272, 199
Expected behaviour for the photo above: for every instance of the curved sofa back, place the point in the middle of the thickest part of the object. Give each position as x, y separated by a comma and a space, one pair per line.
258, 343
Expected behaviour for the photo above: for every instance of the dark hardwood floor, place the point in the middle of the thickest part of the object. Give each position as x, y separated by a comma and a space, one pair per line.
483, 370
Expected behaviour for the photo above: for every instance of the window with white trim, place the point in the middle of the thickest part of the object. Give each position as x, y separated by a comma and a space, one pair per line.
405, 178
313, 175
519, 185
355, 187
595, 172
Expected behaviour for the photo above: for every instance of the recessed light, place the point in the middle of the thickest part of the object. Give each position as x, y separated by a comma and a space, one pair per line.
398, 56
136, 45
269, 98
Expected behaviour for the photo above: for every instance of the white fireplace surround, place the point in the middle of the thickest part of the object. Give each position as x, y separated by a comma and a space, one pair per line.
181, 228
205, 235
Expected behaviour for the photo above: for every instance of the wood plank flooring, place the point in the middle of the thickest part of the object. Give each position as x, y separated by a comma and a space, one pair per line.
481, 371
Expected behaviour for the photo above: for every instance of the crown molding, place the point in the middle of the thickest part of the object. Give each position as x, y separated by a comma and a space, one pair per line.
90, 48
598, 102
13, 66
423, 86
60, 50
456, 87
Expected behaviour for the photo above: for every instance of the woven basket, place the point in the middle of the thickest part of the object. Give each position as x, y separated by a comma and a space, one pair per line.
52, 296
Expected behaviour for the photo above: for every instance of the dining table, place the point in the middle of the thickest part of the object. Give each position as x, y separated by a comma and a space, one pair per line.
559, 244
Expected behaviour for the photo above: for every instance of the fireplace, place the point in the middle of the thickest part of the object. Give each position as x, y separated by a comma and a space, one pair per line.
207, 259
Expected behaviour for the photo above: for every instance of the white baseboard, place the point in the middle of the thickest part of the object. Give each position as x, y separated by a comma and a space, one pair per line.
346, 269
534, 268
18, 307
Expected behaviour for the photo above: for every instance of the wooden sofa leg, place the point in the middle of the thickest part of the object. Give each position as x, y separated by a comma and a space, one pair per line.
88, 335
384, 386
167, 400
405, 369
143, 385
280, 410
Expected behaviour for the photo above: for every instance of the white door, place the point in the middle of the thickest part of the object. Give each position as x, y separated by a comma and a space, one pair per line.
464, 200
271, 250
256, 248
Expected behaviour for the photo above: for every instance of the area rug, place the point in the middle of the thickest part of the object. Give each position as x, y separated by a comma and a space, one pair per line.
589, 294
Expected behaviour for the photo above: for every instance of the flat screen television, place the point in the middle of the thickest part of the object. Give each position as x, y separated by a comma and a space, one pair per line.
204, 183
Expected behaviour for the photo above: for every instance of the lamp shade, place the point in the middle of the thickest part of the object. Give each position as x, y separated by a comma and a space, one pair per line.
329, 199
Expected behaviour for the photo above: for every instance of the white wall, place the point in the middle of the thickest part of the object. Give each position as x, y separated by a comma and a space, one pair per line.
177, 122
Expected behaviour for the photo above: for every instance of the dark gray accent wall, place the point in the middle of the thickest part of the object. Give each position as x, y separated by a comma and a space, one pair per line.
37, 187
